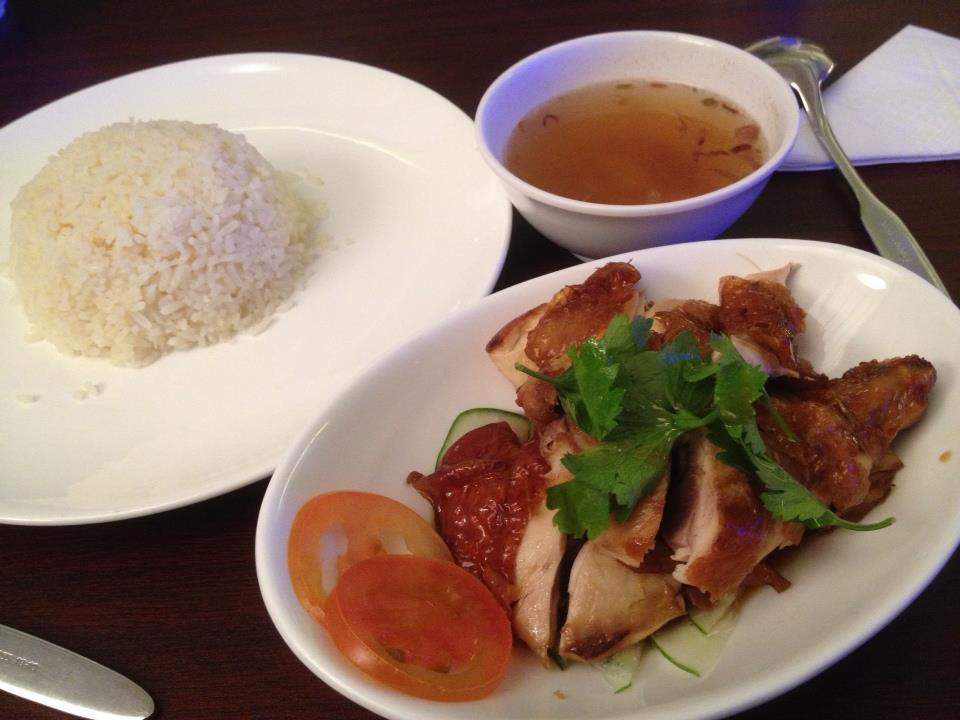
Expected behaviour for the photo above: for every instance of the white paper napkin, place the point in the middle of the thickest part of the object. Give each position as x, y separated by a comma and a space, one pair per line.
899, 104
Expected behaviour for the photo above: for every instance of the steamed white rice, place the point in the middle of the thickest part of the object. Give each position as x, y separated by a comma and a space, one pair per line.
145, 237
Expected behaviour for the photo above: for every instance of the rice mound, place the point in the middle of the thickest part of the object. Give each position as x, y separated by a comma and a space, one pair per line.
146, 237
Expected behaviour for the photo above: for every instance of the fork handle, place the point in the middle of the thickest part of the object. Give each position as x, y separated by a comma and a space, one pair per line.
889, 233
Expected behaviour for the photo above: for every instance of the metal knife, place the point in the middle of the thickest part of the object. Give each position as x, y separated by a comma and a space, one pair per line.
54, 676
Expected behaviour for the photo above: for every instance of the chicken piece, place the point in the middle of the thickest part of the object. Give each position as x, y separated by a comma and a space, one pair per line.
508, 347
613, 606
539, 401
539, 557
879, 397
673, 317
631, 540
757, 311
826, 456
759, 314
845, 427
619, 590
578, 312
881, 483
542, 547
484, 494
540, 337
716, 525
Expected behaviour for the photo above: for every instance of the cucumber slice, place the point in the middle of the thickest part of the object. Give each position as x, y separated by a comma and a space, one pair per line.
689, 648
619, 670
478, 417
707, 620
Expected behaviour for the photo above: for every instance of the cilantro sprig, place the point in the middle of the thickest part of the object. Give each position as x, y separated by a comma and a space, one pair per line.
639, 402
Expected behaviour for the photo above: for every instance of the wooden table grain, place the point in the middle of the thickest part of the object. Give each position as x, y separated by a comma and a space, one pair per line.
172, 599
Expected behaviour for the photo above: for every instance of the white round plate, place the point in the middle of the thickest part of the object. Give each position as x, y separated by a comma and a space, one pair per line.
846, 585
419, 227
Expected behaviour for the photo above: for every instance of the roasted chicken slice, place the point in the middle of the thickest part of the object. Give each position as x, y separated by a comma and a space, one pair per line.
759, 313
618, 593
509, 346
844, 428
716, 525
612, 606
578, 312
540, 337
825, 456
879, 397
542, 547
484, 493
670, 318
630, 541
539, 557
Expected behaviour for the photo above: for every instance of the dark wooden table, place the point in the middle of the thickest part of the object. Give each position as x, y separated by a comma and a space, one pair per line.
172, 600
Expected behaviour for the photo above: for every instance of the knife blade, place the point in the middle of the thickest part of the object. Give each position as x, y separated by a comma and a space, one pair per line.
59, 678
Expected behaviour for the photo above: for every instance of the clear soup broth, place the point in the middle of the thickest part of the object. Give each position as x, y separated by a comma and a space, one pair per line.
634, 142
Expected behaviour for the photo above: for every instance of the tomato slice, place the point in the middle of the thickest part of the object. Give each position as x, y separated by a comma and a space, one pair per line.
423, 626
335, 530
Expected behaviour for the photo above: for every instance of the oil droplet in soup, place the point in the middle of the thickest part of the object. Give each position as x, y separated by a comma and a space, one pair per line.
634, 142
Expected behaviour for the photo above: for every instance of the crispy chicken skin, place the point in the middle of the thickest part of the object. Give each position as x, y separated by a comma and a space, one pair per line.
697, 316
484, 494
540, 337
879, 397
845, 427
759, 313
825, 457
578, 312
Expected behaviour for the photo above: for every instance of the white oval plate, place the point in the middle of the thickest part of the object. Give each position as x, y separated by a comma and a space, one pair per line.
847, 585
420, 226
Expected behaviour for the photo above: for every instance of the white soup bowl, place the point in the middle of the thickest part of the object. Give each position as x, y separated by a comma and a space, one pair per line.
594, 230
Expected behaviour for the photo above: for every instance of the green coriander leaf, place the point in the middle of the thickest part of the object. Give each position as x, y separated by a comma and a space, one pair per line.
625, 468
786, 498
732, 452
618, 338
683, 348
738, 384
737, 387
641, 328
599, 401
588, 390
681, 358
644, 379
696, 373
581, 509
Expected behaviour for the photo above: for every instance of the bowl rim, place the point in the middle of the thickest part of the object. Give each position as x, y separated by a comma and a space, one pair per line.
645, 209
